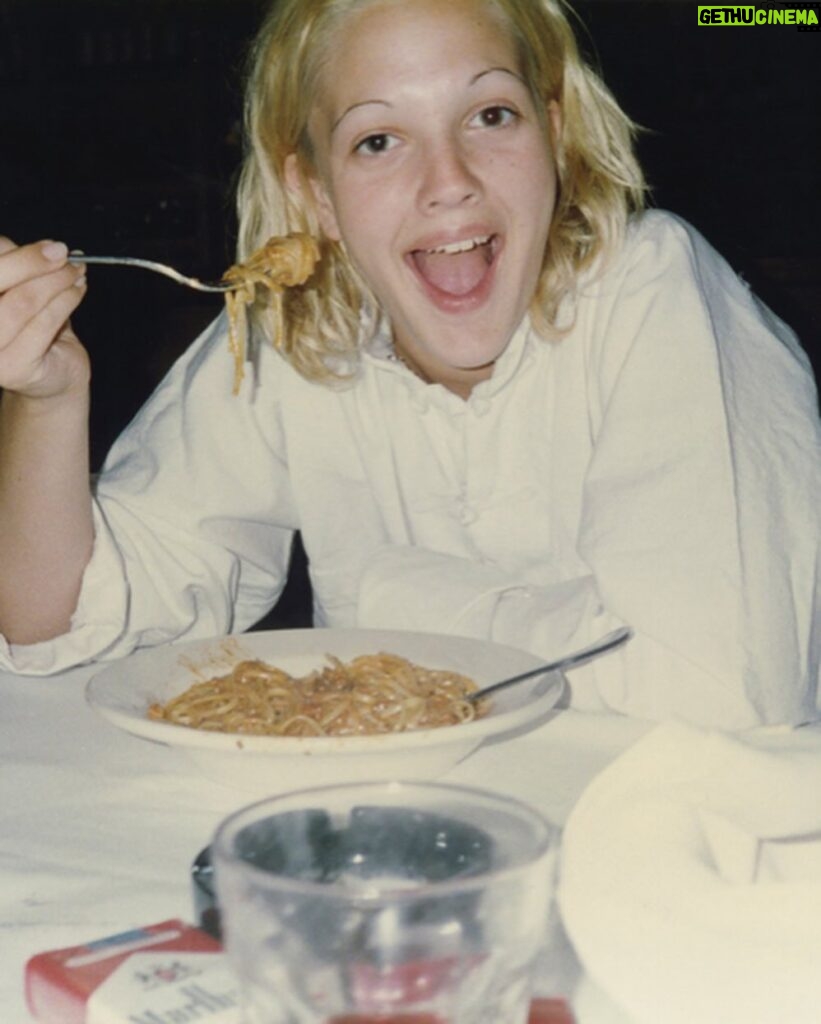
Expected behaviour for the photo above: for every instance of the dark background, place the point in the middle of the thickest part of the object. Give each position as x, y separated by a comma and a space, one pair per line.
119, 133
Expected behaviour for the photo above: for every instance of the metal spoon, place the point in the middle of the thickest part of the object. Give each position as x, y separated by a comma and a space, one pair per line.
607, 643
158, 268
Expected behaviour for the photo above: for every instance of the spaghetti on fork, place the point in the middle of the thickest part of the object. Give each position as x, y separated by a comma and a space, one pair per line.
283, 262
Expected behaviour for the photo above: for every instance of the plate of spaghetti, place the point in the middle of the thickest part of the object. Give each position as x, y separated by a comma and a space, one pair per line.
270, 710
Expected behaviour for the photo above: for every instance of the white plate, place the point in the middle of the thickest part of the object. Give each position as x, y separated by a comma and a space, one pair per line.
123, 690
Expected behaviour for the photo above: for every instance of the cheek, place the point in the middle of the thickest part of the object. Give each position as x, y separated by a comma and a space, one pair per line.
539, 191
526, 174
369, 214
360, 193
544, 174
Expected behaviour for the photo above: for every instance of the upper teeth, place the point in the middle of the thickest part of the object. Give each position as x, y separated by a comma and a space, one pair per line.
468, 243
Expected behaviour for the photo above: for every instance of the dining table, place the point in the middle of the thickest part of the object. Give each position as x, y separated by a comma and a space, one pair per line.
100, 827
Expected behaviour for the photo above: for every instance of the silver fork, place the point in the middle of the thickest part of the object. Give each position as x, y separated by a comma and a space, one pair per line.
158, 268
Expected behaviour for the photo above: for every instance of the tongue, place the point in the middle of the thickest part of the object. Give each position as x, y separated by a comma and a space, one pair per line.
457, 273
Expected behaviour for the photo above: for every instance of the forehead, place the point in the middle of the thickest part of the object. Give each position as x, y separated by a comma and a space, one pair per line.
391, 44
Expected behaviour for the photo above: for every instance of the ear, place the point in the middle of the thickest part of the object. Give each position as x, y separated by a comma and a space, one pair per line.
310, 188
554, 122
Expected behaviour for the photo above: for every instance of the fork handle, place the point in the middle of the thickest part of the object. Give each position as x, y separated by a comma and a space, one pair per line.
157, 268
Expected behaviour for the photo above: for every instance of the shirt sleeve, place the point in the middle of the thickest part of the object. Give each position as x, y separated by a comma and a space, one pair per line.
700, 519
193, 517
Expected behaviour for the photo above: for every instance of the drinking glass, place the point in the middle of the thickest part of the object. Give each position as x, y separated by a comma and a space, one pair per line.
385, 903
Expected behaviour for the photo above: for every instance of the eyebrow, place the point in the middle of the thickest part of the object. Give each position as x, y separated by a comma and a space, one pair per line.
501, 68
356, 106
384, 103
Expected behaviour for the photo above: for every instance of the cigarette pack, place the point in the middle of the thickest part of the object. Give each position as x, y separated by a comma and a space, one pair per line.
550, 1011
155, 974
162, 974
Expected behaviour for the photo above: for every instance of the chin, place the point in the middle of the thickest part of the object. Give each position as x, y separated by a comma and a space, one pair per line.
485, 362
465, 345
481, 354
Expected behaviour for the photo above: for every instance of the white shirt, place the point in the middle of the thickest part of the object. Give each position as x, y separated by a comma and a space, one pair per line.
657, 466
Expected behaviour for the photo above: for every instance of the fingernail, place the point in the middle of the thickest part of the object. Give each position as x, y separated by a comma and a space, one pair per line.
80, 282
54, 251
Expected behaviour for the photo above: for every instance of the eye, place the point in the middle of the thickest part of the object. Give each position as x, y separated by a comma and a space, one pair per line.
372, 145
495, 116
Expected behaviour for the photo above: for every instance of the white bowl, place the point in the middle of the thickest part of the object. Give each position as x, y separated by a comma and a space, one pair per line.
123, 690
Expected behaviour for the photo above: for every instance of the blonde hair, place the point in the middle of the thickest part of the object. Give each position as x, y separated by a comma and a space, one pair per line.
600, 181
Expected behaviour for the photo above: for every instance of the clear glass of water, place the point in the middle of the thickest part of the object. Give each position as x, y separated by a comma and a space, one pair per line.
414, 903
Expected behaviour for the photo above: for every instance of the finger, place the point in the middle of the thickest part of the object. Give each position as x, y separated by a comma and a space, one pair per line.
33, 312
22, 303
26, 262
20, 359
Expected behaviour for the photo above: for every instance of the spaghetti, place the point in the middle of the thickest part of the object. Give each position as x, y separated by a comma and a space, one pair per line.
281, 263
374, 693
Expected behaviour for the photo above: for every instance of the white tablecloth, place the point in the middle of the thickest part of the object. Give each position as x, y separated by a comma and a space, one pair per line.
99, 828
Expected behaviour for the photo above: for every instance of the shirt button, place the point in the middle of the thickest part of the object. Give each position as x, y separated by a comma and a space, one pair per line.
480, 406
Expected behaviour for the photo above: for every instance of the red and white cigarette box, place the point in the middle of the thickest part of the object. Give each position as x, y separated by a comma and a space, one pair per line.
151, 975
164, 973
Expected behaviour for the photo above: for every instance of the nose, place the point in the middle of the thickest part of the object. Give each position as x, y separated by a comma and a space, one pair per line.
448, 179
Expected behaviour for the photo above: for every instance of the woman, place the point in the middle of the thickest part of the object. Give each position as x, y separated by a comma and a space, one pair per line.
506, 404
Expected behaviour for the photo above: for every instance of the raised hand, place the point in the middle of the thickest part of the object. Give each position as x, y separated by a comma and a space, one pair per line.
40, 356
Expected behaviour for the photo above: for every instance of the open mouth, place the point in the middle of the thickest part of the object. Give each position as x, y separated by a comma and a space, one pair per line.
459, 268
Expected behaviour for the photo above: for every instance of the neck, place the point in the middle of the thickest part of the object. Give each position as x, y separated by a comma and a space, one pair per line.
460, 382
